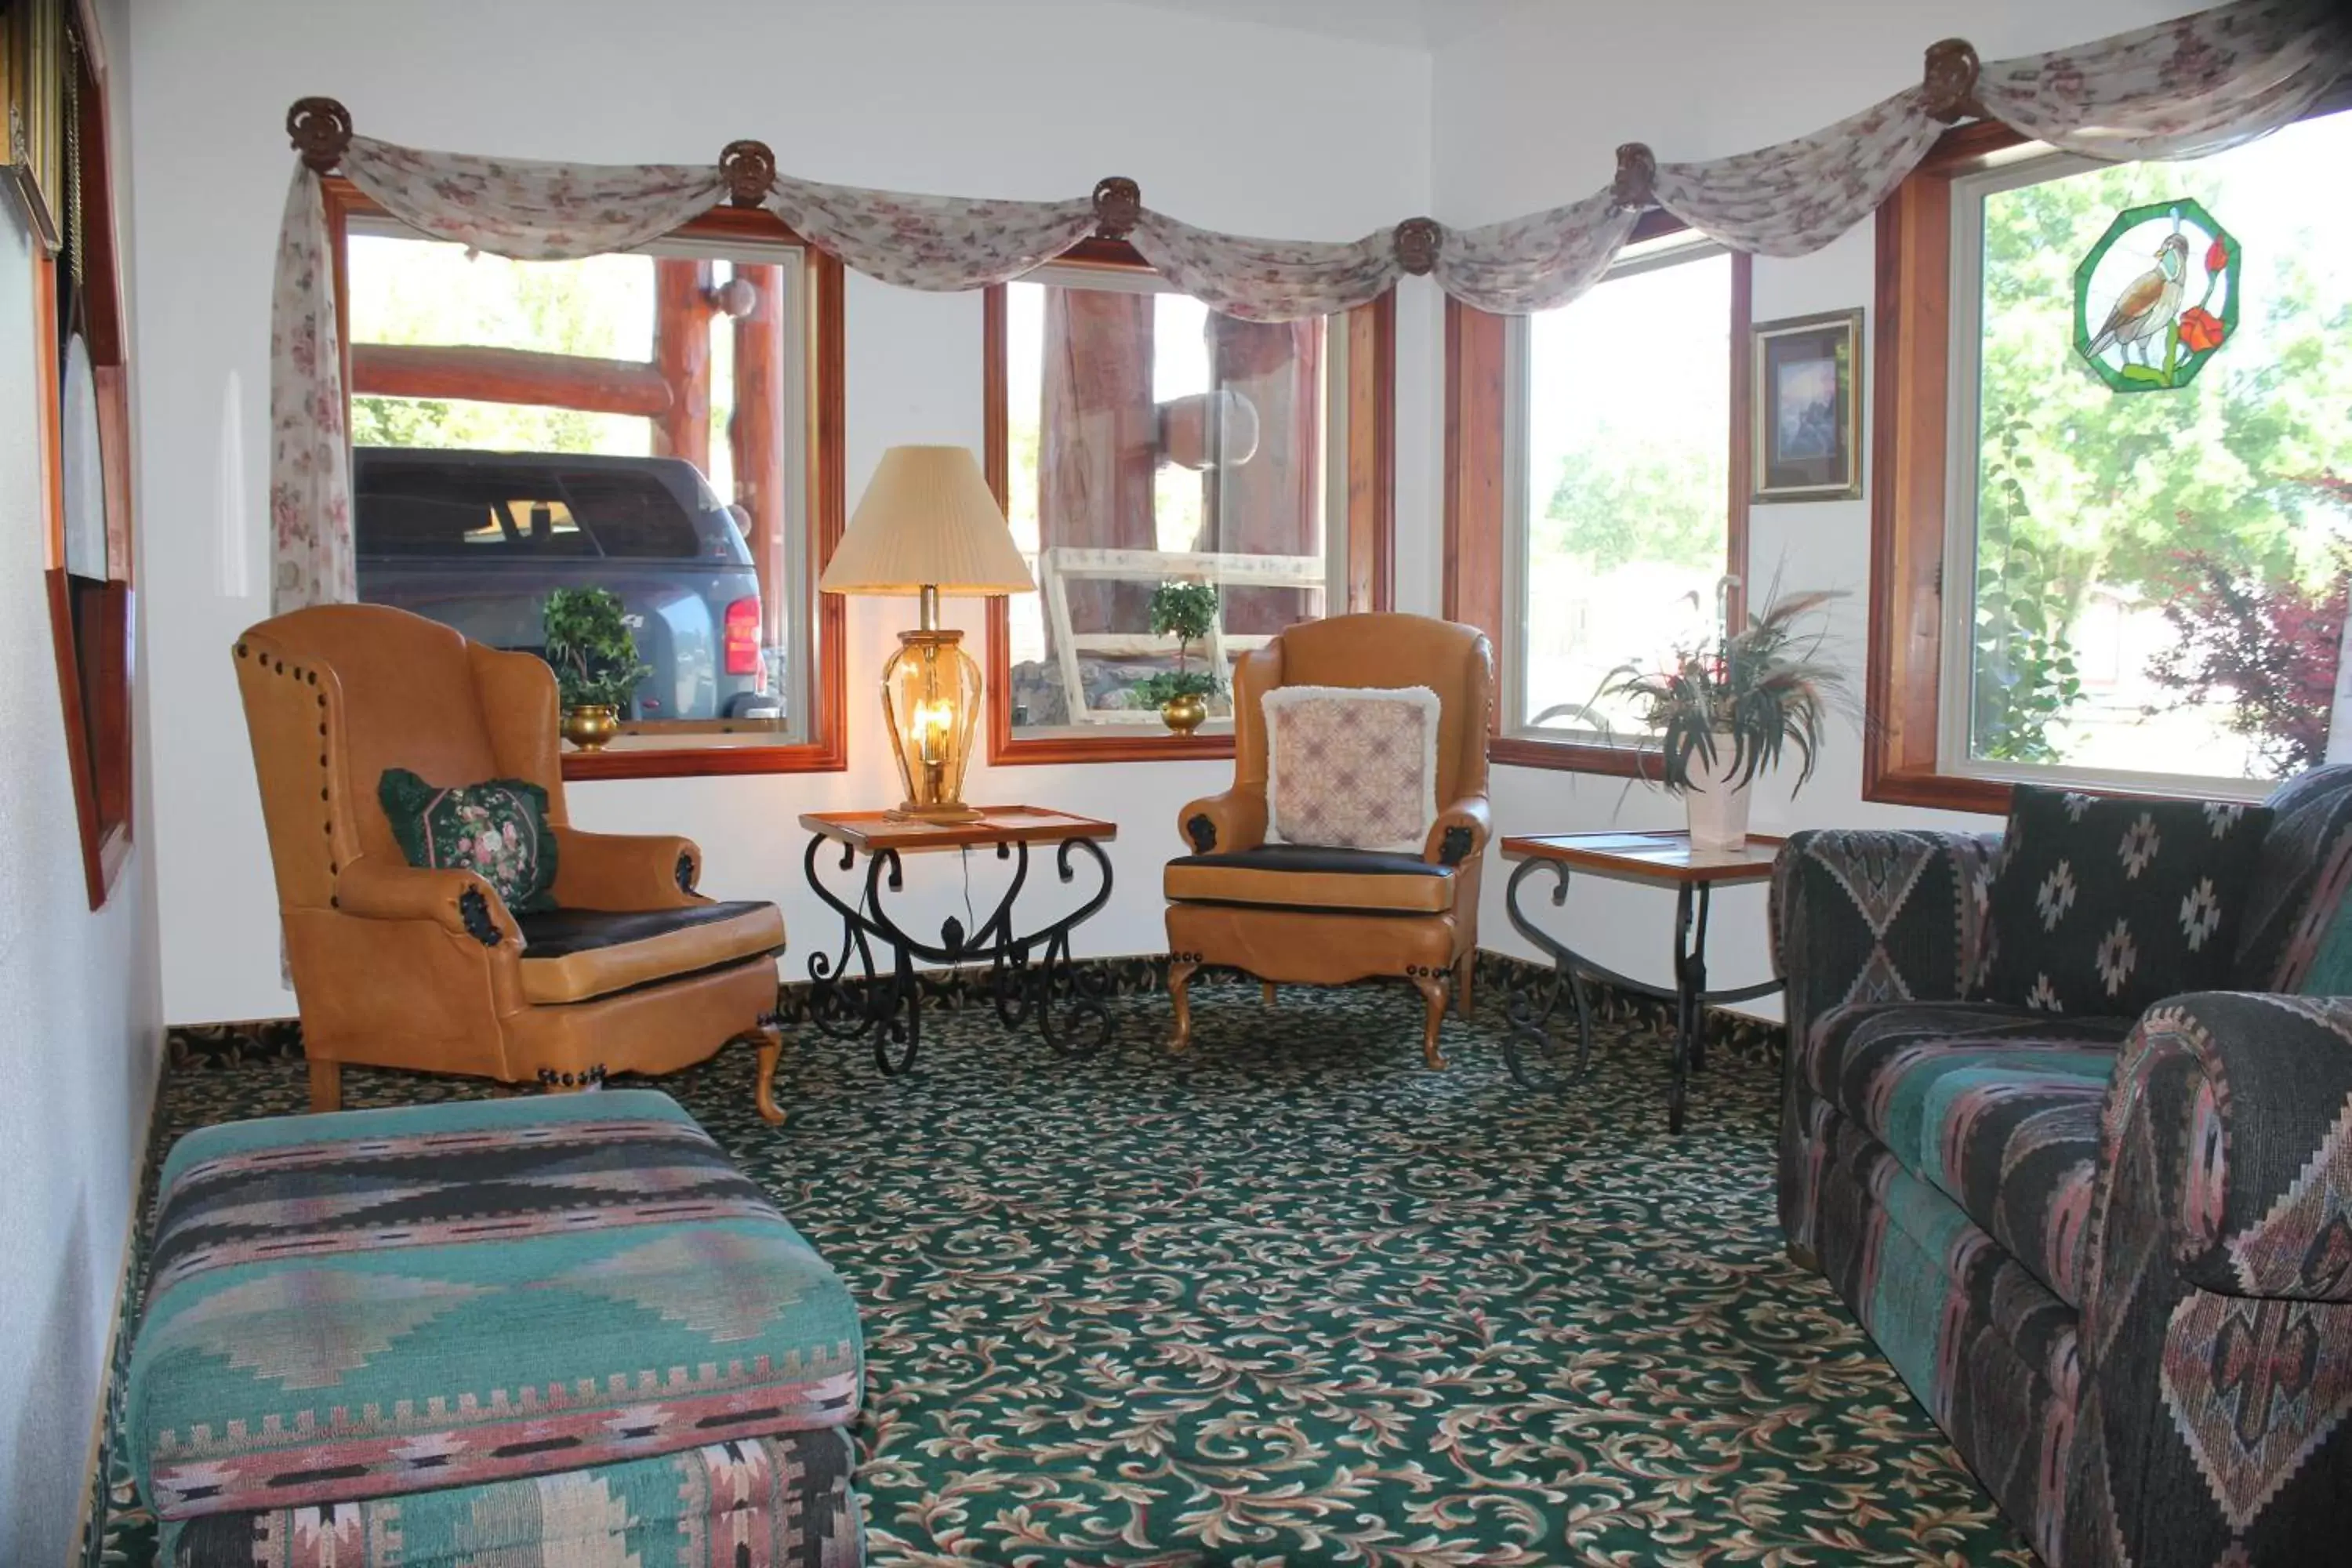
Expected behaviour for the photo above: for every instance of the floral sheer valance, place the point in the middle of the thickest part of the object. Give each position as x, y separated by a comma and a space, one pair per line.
2174, 89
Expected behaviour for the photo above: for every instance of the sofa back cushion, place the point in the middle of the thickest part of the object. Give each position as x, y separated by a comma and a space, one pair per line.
2107, 904
2300, 878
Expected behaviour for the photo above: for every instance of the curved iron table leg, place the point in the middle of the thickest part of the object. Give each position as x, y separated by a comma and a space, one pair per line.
1689, 995
1527, 1021
1025, 983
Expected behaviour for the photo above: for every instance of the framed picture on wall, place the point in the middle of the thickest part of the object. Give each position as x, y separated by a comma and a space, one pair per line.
1808, 408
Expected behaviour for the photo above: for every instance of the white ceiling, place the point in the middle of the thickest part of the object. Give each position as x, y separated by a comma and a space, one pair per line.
1403, 24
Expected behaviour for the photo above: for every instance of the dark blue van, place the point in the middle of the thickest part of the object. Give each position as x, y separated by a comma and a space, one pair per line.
476, 541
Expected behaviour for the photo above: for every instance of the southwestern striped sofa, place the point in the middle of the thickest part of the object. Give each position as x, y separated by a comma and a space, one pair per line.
2111, 1256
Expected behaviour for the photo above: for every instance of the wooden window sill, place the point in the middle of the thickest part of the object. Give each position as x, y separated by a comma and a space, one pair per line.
1570, 756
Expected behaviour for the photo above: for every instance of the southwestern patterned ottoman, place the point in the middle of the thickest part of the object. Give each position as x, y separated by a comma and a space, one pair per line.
535, 1333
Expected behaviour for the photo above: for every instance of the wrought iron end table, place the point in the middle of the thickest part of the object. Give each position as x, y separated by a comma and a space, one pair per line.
1030, 974
1661, 859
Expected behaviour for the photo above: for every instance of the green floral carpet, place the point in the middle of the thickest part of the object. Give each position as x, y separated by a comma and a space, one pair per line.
1292, 1299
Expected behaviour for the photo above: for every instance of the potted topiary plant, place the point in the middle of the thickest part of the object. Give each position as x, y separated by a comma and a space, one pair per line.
595, 661
1185, 610
1723, 709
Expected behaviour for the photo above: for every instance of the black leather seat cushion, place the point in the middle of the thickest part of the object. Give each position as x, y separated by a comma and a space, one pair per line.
1317, 859
1311, 877
557, 933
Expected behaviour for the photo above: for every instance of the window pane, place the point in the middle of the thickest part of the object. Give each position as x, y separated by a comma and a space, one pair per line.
1152, 441
521, 427
1627, 472
2159, 573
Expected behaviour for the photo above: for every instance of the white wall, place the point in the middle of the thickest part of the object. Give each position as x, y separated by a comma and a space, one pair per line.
1239, 127
1527, 114
78, 1046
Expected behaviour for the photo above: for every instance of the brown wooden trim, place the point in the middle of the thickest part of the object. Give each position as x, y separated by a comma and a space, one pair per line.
1372, 515
1474, 402
1371, 456
1570, 756
91, 622
509, 375
1741, 451
827, 748
1912, 347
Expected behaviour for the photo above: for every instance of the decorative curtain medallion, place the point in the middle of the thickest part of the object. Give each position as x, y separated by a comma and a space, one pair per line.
2157, 296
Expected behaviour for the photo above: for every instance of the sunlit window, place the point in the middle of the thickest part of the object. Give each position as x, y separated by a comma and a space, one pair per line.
1619, 448
630, 423
2151, 506
1152, 441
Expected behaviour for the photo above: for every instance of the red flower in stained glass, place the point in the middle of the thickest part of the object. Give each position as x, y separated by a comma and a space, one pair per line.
2217, 256
2201, 329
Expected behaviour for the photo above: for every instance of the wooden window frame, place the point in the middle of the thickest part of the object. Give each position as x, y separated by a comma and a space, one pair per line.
826, 750
93, 641
1477, 528
1911, 350
1372, 513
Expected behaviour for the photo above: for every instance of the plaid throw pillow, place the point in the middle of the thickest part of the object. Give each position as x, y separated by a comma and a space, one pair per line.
1351, 768
2105, 906
496, 830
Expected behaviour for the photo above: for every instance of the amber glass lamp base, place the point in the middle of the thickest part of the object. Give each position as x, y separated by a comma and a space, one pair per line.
930, 703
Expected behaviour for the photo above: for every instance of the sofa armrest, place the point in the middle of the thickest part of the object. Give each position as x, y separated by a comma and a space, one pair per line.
1458, 836
625, 871
1862, 915
458, 901
2226, 1146
1225, 823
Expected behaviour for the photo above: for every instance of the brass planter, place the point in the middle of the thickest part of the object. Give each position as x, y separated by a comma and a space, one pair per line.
1184, 714
592, 725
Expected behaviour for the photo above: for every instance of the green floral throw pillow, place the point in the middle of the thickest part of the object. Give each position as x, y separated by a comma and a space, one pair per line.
498, 830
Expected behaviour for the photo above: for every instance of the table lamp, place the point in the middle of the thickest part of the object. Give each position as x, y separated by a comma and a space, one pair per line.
929, 525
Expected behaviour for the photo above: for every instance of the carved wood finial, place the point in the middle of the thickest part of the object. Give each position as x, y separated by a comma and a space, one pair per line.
1418, 241
1950, 84
1637, 174
1118, 203
750, 171
320, 129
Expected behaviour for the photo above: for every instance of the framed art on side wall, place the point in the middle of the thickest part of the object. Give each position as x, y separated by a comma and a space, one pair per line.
1808, 408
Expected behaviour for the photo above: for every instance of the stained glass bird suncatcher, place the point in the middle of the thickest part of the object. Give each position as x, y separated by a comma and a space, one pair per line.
2156, 324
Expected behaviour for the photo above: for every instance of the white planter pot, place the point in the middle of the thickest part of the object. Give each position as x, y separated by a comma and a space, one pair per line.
1718, 807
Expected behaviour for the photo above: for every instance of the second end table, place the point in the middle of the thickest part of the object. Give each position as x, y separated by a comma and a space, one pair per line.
1660, 859
1031, 976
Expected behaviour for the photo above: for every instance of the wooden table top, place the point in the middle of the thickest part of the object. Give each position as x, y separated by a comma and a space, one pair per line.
997, 825
1664, 855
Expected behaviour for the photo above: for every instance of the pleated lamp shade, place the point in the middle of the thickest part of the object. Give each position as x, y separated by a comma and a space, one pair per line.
927, 520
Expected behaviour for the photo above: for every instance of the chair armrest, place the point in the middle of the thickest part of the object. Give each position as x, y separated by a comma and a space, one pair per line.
458, 901
2227, 1123
1859, 915
1223, 824
1460, 833
626, 871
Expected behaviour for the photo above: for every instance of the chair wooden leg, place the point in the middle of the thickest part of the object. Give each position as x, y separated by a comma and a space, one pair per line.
1464, 977
770, 1041
1265, 992
326, 1085
1435, 990
1179, 998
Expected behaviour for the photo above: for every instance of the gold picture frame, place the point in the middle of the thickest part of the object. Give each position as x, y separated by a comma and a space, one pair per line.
35, 71
1806, 408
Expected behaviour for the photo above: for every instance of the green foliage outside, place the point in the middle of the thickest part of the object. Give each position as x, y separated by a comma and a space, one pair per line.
1621, 497
592, 649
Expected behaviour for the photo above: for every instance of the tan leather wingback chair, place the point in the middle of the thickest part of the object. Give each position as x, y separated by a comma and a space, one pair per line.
1289, 912
428, 970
